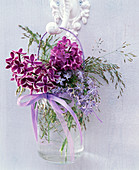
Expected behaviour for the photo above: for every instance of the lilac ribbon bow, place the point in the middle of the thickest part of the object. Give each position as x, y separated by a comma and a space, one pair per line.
52, 100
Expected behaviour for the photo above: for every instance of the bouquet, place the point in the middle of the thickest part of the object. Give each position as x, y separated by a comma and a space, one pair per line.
63, 90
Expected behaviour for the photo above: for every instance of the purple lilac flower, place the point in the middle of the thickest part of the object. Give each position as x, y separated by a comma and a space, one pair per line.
33, 61
80, 75
17, 66
67, 66
41, 69
36, 80
67, 75
52, 74
66, 56
27, 79
19, 52
10, 60
60, 81
45, 84
27, 82
33, 74
26, 69
16, 78
65, 41
57, 90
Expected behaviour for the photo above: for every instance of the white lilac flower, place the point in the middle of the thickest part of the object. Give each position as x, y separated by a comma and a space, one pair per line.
59, 73
92, 91
57, 90
60, 80
80, 75
79, 86
88, 111
90, 82
67, 75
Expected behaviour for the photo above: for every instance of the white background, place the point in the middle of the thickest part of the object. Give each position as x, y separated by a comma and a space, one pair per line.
112, 145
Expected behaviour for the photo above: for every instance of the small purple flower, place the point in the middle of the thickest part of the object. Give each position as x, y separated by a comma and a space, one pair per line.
60, 81
84, 104
79, 74
17, 66
52, 74
45, 85
36, 80
10, 60
19, 52
90, 82
26, 69
16, 78
68, 75
27, 82
74, 45
69, 90
66, 56
65, 41
40, 69
67, 67
78, 60
33, 61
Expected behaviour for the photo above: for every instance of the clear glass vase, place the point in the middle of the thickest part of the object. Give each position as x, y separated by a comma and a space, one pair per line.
52, 143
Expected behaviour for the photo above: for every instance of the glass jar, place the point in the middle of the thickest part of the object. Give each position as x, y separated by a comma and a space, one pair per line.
52, 143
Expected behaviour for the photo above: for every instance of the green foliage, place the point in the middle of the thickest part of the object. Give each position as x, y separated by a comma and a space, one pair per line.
108, 72
20, 90
45, 46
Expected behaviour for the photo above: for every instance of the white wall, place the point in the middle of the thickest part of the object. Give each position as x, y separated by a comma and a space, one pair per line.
112, 145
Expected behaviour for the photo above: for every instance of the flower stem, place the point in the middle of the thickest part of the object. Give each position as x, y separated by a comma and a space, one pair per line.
48, 131
66, 151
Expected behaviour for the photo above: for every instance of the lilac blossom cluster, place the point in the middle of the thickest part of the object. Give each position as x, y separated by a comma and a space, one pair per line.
86, 102
30, 73
66, 55
85, 95
38, 76
64, 65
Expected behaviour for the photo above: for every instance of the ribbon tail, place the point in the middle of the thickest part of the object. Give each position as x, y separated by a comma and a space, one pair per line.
63, 103
58, 111
34, 120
